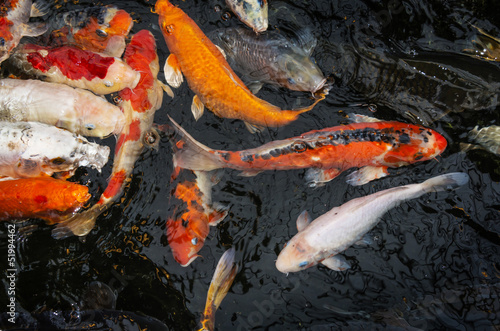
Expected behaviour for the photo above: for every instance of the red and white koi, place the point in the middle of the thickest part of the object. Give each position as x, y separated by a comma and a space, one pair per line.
139, 106
77, 110
14, 17
373, 147
31, 149
320, 241
75, 67
192, 214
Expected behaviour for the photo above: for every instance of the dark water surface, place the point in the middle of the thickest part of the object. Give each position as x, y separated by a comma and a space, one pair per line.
435, 263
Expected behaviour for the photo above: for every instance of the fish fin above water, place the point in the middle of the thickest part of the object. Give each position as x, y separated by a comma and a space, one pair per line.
172, 71
34, 29
253, 128
250, 173
167, 89
303, 220
316, 177
358, 118
197, 107
365, 175
336, 263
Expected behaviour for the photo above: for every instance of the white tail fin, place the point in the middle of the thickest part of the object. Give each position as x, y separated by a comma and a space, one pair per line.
444, 182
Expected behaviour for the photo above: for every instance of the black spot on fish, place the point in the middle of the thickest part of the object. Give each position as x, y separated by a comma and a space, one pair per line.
299, 147
275, 152
404, 138
185, 223
58, 161
247, 158
418, 156
266, 156
225, 156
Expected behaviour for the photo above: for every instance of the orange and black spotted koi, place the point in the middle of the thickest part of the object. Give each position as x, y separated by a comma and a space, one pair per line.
372, 146
192, 215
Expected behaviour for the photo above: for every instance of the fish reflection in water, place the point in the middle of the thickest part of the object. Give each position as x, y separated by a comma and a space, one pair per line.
271, 58
420, 89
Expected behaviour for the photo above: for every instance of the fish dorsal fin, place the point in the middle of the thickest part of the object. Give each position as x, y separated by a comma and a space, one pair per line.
336, 263
316, 177
303, 220
172, 71
197, 107
167, 89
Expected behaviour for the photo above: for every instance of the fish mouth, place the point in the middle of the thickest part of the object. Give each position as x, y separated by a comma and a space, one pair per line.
319, 86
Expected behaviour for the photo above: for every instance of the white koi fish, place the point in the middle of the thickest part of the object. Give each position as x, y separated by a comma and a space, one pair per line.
321, 240
31, 149
76, 110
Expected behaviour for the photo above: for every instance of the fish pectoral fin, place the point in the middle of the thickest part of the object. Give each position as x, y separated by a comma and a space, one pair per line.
255, 87
358, 118
167, 89
336, 263
365, 175
250, 173
365, 241
317, 177
197, 107
40, 8
303, 220
218, 214
252, 128
34, 29
172, 71
222, 51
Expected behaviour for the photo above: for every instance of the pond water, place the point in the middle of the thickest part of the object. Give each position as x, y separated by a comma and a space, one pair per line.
435, 261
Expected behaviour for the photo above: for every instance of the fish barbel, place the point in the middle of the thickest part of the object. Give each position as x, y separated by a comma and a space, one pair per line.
43, 197
211, 78
74, 109
371, 146
31, 149
139, 106
192, 215
101, 29
14, 17
75, 67
254, 13
333, 232
270, 58
223, 278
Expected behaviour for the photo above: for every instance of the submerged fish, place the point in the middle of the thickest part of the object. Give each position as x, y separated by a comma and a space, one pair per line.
420, 89
487, 137
75, 67
373, 147
209, 75
100, 29
219, 286
14, 17
270, 58
139, 106
31, 149
321, 240
77, 110
43, 197
253, 13
188, 226
485, 46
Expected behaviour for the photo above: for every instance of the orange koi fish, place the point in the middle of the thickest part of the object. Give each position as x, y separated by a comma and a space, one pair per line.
223, 278
192, 214
209, 75
371, 146
100, 29
139, 106
14, 17
43, 197
75, 67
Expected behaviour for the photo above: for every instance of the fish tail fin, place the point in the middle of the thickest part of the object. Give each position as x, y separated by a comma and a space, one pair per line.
444, 182
189, 153
321, 96
79, 224
219, 286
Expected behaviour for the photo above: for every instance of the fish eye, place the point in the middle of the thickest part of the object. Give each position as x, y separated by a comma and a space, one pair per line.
101, 33
291, 81
303, 264
194, 241
2, 42
262, 3
89, 126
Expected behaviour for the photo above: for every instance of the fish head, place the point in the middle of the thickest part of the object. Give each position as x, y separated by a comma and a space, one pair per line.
186, 237
254, 13
299, 73
415, 144
297, 255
